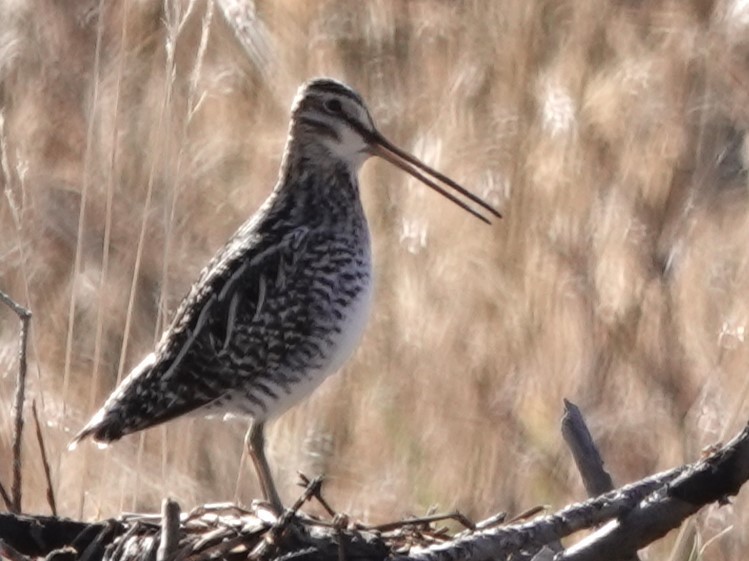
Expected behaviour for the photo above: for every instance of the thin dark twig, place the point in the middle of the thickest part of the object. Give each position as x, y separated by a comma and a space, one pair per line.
271, 539
313, 488
24, 315
318, 495
97, 542
6, 498
341, 547
457, 516
124, 541
529, 513
45, 462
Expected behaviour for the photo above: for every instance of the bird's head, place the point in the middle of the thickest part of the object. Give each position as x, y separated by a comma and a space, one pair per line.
328, 113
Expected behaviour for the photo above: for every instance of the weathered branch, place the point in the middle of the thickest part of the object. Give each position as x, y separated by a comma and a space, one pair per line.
711, 480
682, 492
584, 451
586, 455
25, 316
642, 512
500, 542
170, 524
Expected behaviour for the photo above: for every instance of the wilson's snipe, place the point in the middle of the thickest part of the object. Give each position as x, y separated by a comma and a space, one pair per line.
283, 304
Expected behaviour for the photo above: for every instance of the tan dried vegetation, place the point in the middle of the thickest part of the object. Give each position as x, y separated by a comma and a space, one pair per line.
611, 135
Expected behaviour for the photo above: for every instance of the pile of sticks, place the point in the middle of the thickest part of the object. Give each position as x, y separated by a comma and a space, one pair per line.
625, 519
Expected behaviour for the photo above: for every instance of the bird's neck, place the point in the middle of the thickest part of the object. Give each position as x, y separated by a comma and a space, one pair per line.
313, 186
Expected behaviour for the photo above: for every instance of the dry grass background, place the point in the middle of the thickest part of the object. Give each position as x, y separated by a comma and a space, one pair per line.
136, 136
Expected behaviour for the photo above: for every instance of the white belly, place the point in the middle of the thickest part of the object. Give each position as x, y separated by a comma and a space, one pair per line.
344, 344
352, 330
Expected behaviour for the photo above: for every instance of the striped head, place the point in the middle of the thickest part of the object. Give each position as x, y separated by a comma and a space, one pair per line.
331, 115
334, 115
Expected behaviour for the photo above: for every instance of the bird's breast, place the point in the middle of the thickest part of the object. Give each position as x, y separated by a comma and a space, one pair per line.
343, 287
331, 298
353, 319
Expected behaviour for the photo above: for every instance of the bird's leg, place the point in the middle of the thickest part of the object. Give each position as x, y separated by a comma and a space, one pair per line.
255, 442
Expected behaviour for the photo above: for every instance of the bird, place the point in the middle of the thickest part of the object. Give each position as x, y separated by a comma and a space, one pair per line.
284, 303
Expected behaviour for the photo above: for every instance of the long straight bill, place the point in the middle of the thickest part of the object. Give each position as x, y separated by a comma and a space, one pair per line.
405, 161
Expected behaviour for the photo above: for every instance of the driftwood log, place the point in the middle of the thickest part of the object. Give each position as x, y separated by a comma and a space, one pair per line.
630, 517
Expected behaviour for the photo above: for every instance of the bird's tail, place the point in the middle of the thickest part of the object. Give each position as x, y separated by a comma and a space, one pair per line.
94, 428
113, 421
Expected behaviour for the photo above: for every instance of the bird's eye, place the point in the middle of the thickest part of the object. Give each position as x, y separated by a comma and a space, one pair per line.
333, 106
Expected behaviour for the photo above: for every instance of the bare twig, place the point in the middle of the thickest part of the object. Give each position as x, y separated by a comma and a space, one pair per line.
305, 481
25, 316
170, 512
272, 537
586, 455
6, 498
641, 513
528, 513
457, 516
96, 547
672, 497
713, 479
217, 550
584, 451
124, 542
313, 488
505, 540
341, 548
45, 462
494, 520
